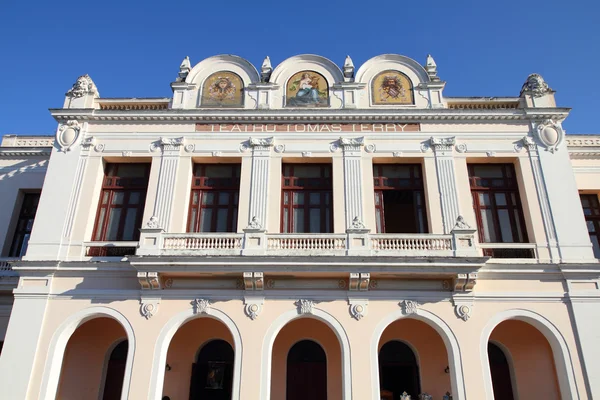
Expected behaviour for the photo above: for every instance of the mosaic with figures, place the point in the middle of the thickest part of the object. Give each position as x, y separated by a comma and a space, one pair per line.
223, 89
307, 89
392, 87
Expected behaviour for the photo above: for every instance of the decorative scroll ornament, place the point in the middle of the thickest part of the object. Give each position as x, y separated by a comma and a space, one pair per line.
148, 307
152, 223
551, 134
358, 310
84, 85
344, 141
409, 306
306, 154
397, 154
490, 153
461, 224
260, 142
529, 143
461, 147
99, 148
280, 148
357, 223
443, 144
463, 311
201, 306
88, 142
305, 306
67, 135
535, 85
126, 153
255, 224
252, 310
189, 148
370, 148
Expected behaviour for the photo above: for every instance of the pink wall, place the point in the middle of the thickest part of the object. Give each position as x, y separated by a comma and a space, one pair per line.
183, 350
429, 349
85, 357
532, 358
295, 331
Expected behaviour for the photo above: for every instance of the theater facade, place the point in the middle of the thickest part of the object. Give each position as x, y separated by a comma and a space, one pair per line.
303, 231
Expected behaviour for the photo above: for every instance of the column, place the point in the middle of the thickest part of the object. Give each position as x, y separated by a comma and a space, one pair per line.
444, 164
259, 181
21, 342
353, 187
167, 179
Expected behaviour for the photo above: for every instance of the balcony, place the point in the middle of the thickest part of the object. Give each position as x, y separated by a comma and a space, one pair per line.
355, 243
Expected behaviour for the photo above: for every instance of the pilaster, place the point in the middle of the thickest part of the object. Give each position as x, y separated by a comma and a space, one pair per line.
167, 178
446, 177
353, 186
259, 181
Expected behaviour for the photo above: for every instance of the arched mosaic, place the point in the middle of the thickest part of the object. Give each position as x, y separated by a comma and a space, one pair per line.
392, 87
307, 89
222, 89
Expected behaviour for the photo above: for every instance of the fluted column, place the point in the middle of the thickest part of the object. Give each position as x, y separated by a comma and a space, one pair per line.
353, 187
167, 177
259, 181
446, 176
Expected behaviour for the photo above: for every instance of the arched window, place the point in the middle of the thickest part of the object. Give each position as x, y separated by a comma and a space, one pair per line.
212, 374
307, 89
306, 372
115, 372
500, 370
392, 87
223, 89
398, 370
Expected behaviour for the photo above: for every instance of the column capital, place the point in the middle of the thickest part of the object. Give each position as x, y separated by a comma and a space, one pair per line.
442, 145
167, 144
349, 145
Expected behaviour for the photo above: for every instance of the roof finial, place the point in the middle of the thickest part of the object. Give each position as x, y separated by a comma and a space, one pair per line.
431, 68
348, 70
265, 70
184, 69
535, 85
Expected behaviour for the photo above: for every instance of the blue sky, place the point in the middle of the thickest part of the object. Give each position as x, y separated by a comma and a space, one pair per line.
134, 48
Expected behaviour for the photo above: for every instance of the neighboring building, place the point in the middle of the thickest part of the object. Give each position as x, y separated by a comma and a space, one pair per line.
303, 232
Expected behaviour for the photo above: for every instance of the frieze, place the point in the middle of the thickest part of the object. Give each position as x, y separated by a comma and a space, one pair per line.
307, 128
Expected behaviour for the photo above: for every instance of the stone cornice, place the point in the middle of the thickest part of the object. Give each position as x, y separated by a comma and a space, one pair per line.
25, 151
313, 115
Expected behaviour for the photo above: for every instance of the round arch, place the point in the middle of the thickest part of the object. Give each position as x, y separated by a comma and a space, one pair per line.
61, 337
562, 357
403, 64
226, 62
330, 71
450, 341
284, 319
164, 340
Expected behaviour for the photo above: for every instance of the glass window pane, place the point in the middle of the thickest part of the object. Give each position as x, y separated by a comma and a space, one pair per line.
595, 246
129, 227
488, 226
298, 198
98, 233
105, 197
315, 220
505, 226
484, 199
224, 198
487, 171
24, 245
328, 228
315, 199
208, 198
222, 215
307, 171
421, 220
286, 198
585, 202
590, 226
377, 198
130, 170
195, 197
500, 199
134, 198
234, 220
192, 223
298, 220
286, 221
113, 224
521, 236
118, 198
206, 219
378, 220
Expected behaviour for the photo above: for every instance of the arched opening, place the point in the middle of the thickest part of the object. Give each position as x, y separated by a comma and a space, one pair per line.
200, 362
212, 373
306, 372
501, 375
412, 359
115, 371
398, 370
306, 362
84, 361
533, 368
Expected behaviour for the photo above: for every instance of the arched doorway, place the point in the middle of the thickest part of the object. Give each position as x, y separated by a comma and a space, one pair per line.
115, 371
533, 367
84, 361
398, 370
501, 375
306, 372
200, 361
412, 357
212, 373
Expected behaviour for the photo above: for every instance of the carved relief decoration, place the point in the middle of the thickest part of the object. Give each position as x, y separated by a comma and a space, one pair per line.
535, 85
254, 224
201, 306
305, 306
148, 307
359, 281
442, 144
358, 310
253, 309
279, 148
463, 311
67, 134
550, 134
260, 142
409, 306
87, 142
461, 147
461, 224
84, 85
152, 223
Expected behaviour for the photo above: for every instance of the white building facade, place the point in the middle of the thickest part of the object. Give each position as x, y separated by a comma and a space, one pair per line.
303, 231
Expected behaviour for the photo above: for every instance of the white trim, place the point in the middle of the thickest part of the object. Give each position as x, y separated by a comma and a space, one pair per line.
57, 347
157, 379
450, 341
562, 357
275, 328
